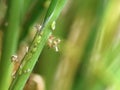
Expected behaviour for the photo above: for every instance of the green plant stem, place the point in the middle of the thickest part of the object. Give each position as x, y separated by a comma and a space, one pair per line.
9, 44
36, 47
34, 14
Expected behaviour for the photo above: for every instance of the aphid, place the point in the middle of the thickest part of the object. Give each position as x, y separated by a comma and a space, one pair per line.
38, 39
13, 74
53, 25
26, 71
21, 66
38, 27
34, 49
14, 58
27, 48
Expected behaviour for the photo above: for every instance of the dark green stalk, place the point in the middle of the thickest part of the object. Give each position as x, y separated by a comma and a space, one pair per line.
9, 43
38, 43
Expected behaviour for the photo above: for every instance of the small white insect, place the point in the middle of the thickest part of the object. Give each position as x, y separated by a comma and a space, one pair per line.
21, 66
26, 71
56, 48
13, 75
14, 58
27, 48
38, 27
53, 25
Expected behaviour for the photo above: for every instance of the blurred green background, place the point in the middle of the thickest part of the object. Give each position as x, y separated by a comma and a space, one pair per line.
89, 52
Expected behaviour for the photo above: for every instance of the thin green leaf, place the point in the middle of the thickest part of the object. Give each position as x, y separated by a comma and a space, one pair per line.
10, 43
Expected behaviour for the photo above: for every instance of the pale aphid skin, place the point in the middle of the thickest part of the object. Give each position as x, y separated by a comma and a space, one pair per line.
53, 42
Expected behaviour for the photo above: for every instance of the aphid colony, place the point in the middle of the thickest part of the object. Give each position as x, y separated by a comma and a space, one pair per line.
16, 62
52, 40
52, 43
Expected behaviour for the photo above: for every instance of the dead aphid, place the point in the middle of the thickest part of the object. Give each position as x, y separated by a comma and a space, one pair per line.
53, 42
50, 40
14, 58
